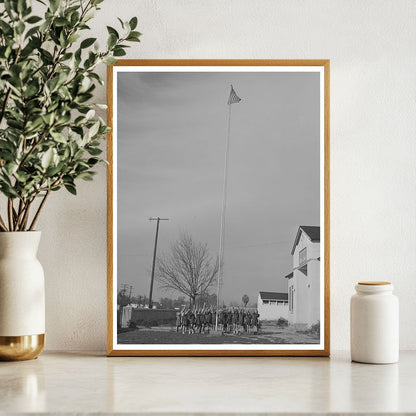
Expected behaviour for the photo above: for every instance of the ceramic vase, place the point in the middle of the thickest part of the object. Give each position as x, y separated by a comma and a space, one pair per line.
22, 296
374, 323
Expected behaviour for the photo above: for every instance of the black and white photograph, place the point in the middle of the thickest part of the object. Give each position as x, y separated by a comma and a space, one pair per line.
218, 208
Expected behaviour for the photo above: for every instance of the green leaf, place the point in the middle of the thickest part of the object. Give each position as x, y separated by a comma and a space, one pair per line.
78, 154
47, 158
27, 11
134, 37
87, 42
92, 161
121, 22
30, 90
21, 176
8, 191
86, 176
110, 60
7, 30
63, 41
35, 125
70, 188
90, 114
111, 30
11, 168
133, 23
74, 18
112, 40
10, 8
82, 98
61, 21
67, 153
48, 118
15, 124
46, 56
33, 19
32, 31
20, 28
58, 137
96, 77
119, 51
73, 38
52, 84
21, 6
53, 5
94, 151
88, 16
52, 171
94, 129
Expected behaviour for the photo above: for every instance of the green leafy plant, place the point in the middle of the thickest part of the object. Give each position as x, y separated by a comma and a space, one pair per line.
50, 134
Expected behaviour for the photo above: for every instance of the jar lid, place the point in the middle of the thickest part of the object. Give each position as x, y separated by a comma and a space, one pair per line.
374, 283
372, 287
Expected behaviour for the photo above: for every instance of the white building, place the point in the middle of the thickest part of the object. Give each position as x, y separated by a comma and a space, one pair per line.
304, 280
272, 306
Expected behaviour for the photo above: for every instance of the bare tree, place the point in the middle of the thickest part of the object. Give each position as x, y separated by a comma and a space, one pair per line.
189, 268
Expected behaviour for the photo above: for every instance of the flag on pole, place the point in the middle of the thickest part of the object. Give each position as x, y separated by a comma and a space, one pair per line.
234, 98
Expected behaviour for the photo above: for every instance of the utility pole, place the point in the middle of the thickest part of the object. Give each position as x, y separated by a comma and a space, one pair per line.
158, 219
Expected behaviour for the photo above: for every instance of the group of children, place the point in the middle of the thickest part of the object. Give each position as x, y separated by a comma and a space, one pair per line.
230, 320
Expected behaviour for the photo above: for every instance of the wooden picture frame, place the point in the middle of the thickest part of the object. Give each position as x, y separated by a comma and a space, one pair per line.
301, 68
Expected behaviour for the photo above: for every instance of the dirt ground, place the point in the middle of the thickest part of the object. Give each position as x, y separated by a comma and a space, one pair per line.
269, 334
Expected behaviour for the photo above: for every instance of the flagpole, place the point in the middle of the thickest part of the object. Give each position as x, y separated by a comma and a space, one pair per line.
223, 212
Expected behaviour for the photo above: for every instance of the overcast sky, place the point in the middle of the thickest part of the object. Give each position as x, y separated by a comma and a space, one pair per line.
171, 142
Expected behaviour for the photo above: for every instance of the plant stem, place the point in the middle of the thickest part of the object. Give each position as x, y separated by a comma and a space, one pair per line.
26, 216
10, 213
3, 108
38, 211
2, 224
20, 212
17, 217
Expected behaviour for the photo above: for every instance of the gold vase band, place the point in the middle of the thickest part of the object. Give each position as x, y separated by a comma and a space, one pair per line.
20, 348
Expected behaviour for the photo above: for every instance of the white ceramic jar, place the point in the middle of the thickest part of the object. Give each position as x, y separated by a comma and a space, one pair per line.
374, 323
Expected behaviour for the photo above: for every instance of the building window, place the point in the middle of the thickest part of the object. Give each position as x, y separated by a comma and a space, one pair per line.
302, 256
265, 302
304, 269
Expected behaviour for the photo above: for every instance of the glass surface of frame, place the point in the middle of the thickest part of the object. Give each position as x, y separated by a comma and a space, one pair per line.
218, 207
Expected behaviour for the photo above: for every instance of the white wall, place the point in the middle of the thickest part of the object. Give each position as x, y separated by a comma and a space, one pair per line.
272, 311
371, 44
306, 305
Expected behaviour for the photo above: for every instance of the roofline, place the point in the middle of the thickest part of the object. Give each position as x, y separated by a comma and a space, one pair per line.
278, 293
300, 229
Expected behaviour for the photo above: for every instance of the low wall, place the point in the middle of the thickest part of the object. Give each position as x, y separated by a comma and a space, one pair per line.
270, 312
154, 317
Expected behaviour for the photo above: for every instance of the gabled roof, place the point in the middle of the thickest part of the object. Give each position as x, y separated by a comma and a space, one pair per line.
312, 231
273, 296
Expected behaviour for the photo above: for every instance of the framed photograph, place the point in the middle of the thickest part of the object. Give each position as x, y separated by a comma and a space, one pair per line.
218, 208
